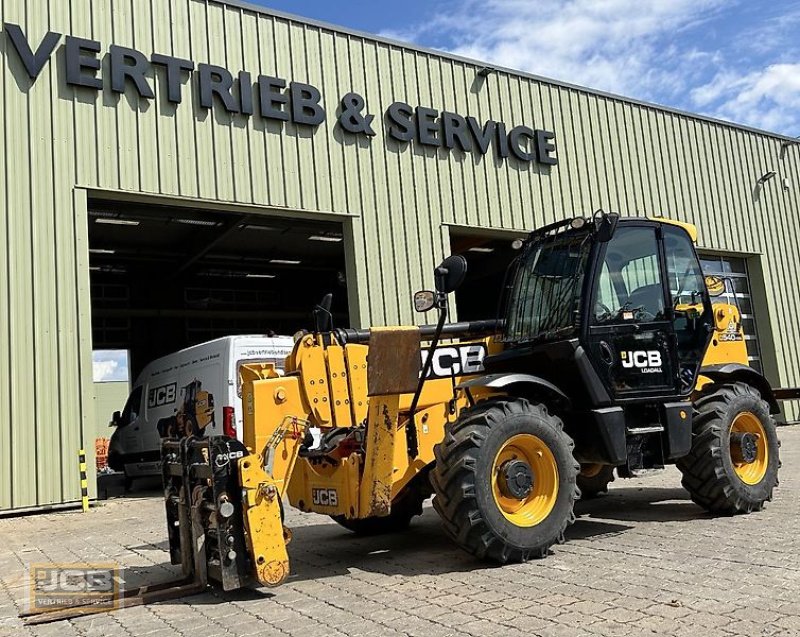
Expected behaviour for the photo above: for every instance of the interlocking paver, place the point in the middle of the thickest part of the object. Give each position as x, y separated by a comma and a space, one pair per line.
642, 561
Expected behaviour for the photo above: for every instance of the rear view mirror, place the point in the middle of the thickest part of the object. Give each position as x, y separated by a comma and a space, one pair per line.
424, 301
715, 285
450, 274
605, 225
115, 419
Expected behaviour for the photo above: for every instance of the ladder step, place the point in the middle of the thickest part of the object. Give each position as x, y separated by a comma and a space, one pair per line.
633, 431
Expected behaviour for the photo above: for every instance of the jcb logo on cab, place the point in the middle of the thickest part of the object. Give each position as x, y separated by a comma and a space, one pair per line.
641, 359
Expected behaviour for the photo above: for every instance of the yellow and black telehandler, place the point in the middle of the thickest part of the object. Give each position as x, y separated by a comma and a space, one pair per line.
613, 353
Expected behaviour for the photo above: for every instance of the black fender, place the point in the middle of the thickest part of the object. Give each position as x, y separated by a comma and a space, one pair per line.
733, 372
520, 384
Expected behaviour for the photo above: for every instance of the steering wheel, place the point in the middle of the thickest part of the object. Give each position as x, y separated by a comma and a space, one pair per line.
607, 313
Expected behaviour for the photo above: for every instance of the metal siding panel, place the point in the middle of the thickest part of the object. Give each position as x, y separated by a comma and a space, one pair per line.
239, 127
107, 138
147, 114
6, 371
274, 170
43, 292
221, 122
182, 28
122, 19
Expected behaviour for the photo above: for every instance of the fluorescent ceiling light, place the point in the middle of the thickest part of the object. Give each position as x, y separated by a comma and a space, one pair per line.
117, 222
285, 262
485, 250
101, 251
321, 237
252, 226
260, 276
196, 222
94, 268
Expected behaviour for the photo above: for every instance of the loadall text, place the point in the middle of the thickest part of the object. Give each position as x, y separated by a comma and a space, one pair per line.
273, 98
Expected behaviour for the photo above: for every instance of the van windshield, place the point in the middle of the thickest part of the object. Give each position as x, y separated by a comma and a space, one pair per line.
132, 407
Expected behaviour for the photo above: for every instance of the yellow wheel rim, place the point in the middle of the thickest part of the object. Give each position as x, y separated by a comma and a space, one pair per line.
535, 506
751, 472
591, 470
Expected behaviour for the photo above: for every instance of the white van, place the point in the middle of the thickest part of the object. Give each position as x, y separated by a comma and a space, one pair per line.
195, 390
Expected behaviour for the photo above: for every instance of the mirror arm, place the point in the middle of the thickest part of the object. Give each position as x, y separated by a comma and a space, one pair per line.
411, 428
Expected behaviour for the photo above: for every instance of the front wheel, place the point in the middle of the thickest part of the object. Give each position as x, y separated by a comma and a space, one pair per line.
733, 464
504, 480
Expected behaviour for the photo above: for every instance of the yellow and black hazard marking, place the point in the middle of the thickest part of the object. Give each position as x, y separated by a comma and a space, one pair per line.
84, 481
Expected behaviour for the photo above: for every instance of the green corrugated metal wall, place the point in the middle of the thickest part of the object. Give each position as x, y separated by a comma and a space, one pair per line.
59, 144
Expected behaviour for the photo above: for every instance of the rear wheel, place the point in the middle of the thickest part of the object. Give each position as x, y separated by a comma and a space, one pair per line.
504, 480
594, 479
733, 464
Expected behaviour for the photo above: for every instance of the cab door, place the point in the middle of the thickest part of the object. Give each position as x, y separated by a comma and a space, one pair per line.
630, 335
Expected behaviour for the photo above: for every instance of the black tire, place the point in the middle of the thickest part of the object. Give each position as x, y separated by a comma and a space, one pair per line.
594, 484
708, 470
406, 506
462, 480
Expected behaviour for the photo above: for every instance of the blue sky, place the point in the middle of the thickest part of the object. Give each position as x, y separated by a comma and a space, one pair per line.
733, 59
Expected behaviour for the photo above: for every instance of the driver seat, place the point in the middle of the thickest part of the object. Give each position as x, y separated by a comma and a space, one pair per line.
648, 297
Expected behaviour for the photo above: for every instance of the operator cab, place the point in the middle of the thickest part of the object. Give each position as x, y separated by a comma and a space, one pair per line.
610, 310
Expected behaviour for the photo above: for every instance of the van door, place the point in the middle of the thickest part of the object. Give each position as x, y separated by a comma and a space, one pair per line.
126, 439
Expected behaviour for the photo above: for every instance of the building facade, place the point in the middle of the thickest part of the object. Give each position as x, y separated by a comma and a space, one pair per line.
218, 107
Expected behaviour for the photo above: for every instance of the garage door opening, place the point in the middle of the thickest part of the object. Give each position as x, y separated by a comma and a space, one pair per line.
488, 258
166, 278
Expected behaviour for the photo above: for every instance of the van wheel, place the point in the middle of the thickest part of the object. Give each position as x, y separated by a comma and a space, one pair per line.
127, 483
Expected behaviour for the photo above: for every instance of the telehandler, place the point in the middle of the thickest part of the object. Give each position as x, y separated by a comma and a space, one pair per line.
610, 355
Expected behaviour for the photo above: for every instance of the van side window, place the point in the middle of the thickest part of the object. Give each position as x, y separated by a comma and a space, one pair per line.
133, 407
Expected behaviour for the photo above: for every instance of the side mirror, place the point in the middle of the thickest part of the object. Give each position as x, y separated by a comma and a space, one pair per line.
323, 319
450, 274
715, 285
424, 301
115, 419
605, 225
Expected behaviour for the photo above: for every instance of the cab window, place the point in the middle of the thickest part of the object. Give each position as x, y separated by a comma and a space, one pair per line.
629, 288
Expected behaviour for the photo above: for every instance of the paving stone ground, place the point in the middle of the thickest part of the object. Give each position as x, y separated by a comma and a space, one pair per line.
643, 560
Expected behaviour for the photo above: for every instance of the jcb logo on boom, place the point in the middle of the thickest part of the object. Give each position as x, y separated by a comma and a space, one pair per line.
325, 497
456, 360
648, 361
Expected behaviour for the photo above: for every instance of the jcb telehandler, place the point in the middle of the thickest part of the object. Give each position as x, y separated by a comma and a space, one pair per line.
610, 355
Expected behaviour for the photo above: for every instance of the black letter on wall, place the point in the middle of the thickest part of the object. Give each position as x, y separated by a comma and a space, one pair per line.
305, 104
271, 99
483, 136
175, 68
455, 130
82, 69
427, 126
518, 143
401, 127
33, 62
215, 80
544, 148
129, 64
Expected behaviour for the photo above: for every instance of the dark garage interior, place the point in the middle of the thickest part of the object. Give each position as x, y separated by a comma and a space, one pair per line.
166, 278
488, 258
